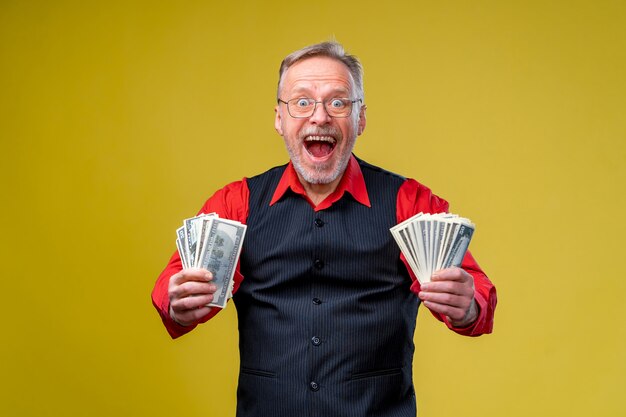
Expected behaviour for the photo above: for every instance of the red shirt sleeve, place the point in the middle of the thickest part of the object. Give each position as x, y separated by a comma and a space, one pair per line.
413, 198
231, 202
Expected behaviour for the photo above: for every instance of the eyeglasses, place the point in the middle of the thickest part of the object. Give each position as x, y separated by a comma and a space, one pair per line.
304, 107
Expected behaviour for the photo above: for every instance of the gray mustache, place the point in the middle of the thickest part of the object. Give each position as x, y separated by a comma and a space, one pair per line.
320, 131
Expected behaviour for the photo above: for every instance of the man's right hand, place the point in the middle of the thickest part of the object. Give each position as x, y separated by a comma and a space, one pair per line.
190, 291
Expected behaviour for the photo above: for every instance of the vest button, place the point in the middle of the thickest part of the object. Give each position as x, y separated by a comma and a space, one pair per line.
317, 301
316, 341
314, 386
319, 264
319, 222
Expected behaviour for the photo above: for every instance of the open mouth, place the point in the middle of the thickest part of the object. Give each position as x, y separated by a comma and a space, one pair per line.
319, 146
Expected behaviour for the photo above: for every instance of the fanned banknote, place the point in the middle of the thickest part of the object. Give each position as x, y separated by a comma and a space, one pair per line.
431, 242
209, 242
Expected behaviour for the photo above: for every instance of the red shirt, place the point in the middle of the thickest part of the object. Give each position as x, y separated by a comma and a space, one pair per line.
232, 202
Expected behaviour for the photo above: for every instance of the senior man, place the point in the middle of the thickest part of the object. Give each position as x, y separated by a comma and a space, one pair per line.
326, 303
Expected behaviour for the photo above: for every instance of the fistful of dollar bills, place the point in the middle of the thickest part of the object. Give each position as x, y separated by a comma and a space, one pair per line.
431, 242
209, 242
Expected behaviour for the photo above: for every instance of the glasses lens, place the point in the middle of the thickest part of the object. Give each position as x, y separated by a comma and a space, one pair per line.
301, 107
338, 107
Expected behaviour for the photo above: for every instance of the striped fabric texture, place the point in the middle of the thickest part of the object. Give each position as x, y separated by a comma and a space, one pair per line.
326, 317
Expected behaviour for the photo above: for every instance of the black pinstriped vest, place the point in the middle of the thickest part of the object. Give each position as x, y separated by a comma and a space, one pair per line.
326, 317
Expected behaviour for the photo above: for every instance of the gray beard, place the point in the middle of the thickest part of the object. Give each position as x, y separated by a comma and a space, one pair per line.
318, 175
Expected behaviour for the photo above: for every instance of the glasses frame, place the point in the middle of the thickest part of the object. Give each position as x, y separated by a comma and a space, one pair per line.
315, 106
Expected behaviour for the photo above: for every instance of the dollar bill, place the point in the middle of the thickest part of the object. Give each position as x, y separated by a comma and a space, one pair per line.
431, 242
180, 245
194, 229
191, 236
459, 247
221, 251
209, 242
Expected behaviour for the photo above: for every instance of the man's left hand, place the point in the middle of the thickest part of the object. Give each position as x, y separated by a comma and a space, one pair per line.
451, 293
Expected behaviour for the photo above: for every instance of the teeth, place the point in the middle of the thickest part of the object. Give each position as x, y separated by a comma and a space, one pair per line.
320, 139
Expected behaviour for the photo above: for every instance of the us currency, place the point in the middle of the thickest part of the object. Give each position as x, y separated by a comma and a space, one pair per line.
206, 241
191, 236
194, 229
431, 242
221, 250
459, 247
180, 245
203, 226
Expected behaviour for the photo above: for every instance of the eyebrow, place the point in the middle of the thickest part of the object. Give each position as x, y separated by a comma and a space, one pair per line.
334, 93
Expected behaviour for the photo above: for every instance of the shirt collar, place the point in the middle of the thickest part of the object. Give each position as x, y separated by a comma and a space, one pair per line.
352, 182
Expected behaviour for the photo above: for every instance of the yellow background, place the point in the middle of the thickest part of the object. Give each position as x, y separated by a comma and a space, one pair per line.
118, 119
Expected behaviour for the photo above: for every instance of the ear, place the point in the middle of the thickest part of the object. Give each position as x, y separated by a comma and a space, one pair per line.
278, 120
362, 120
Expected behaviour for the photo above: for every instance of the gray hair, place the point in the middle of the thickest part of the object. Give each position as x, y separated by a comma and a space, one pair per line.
330, 49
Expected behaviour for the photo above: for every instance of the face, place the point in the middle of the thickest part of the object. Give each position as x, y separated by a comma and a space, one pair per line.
319, 146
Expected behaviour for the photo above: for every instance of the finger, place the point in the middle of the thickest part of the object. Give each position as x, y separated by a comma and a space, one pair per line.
452, 300
191, 288
192, 316
191, 274
450, 287
451, 274
453, 313
184, 305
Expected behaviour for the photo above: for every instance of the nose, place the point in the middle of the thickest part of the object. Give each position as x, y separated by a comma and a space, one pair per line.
320, 116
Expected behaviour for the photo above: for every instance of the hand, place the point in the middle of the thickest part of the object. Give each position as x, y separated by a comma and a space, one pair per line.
451, 293
190, 291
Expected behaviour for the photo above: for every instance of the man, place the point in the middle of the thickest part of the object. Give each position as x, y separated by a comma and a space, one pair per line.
326, 303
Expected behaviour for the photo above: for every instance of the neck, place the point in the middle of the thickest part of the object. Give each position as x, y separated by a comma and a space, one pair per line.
318, 192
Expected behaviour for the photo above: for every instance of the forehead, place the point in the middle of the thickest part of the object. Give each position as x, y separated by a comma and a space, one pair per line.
318, 75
